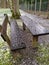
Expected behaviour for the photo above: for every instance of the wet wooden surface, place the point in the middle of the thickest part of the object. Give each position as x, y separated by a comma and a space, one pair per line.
4, 25
4, 30
16, 42
35, 27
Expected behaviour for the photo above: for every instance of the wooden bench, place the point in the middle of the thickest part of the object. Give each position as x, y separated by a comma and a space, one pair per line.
41, 21
35, 28
16, 42
4, 30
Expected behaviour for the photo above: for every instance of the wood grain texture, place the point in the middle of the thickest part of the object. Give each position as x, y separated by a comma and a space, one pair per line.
4, 30
34, 24
16, 42
34, 27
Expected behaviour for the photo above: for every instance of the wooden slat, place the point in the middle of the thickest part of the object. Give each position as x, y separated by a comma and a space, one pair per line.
34, 27
4, 25
16, 42
37, 19
4, 30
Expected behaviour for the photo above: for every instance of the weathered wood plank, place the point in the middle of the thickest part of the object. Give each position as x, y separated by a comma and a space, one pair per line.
4, 30
4, 25
34, 27
37, 19
35, 41
41, 21
16, 42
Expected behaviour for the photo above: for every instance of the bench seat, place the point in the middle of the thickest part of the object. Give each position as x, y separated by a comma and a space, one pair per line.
16, 42
35, 28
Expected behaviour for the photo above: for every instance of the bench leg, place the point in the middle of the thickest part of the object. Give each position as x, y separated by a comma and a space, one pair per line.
35, 41
24, 27
0, 28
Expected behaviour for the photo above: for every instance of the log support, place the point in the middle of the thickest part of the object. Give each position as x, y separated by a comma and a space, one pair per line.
24, 27
35, 41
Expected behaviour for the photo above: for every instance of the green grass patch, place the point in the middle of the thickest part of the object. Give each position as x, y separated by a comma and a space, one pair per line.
5, 11
43, 55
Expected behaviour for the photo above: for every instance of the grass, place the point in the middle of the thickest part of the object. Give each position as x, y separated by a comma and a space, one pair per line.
2, 10
43, 55
5, 56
